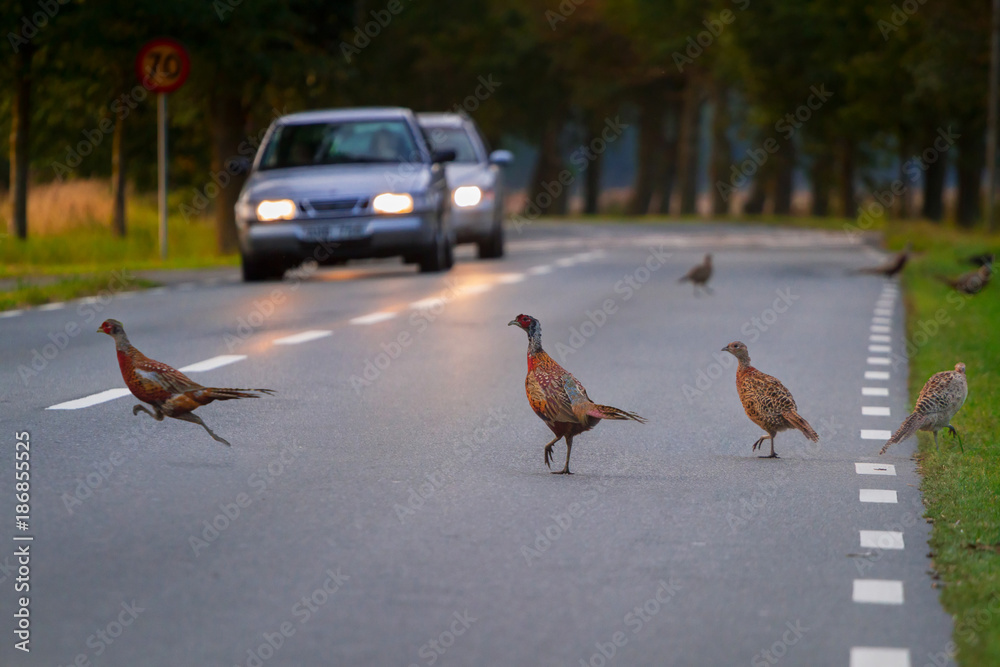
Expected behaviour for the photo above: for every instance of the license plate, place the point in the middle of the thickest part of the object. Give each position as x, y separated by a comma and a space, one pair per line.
345, 232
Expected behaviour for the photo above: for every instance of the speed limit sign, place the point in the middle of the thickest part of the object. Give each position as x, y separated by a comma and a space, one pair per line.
162, 65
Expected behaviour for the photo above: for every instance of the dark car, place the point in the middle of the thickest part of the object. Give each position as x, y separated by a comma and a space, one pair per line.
345, 184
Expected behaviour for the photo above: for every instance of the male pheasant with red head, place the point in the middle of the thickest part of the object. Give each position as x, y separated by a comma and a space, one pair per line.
766, 401
170, 392
558, 397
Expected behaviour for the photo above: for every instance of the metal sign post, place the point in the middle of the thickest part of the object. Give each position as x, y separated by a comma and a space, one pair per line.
161, 163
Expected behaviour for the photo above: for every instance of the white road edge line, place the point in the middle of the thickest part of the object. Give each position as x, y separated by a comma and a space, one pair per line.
880, 338
93, 399
303, 337
880, 348
539, 270
881, 539
373, 318
874, 391
878, 591
879, 361
875, 411
213, 363
12, 313
875, 434
879, 656
877, 496
875, 469
876, 375
880, 328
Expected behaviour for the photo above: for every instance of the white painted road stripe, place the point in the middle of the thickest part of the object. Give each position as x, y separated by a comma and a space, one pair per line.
429, 302
874, 411
879, 361
878, 591
510, 278
877, 656
881, 539
884, 312
879, 328
58, 305
881, 320
874, 391
11, 313
875, 469
877, 496
373, 318
476, 289
93, 399
876, 375
875, 434
540, 270
214, 362
879, 348
879, 338
303, 337
565, 261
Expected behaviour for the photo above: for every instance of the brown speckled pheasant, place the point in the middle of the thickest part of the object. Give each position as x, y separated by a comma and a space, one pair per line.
170, 392
972, 282
558, 397
939, 400
892, 266
699, 275
767, 402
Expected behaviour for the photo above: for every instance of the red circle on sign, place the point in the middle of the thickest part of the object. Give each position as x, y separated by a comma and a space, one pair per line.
162, 65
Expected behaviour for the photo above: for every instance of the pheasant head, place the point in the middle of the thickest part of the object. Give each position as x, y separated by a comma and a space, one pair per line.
740, 351
960, 367
116, 330
533, 328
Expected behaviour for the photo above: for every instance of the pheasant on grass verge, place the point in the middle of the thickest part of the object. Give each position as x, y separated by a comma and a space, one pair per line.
558, 397
699, 275
939, 400
970, 283
170, 392
766, 401
892, 266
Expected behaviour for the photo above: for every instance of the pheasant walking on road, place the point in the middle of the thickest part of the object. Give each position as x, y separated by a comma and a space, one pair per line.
558, 397
939, 400
893, 265
699, 275
767, 402
970, 283
170, 392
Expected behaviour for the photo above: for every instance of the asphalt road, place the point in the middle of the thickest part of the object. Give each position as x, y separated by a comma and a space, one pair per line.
390, 504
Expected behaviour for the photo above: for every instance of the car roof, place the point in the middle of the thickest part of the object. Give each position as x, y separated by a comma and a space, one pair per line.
353, 113
442, 119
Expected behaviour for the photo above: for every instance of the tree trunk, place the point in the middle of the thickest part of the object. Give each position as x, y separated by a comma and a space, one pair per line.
722, 158
650, 149
668, 158
20, 132
547, 194
820, 174
933, 205
118, 179
904, 205
754, 204
592, 177
687, 152
970, 173
784, 180
228, 123
845, 168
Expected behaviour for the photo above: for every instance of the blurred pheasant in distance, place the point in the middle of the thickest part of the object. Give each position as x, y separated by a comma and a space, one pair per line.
699, 275
892, 266
766, 401
972, 282
170, 392
984, 259
558, 397
939, 400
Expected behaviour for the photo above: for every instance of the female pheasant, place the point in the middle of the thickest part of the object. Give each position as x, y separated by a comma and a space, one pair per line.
170, 392
558, 397
767, 402
699, 275
942, 396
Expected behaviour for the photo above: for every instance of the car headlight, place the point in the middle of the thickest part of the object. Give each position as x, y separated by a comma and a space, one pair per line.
389, 202
467, 195
282, 209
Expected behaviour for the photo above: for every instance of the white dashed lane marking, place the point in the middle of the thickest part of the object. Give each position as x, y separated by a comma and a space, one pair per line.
879, 361
877, 496
874, 391
373, 318
881, 539
877, 656
879, 348
875, 434
881, 320
214, 362
878, 591
875, 468
874, 411
429, 302
880, 329
876, 375
93, 399
539, 270
880, 338
477, 289
510, 278
11, 313
883, 312
59, 305
303, 337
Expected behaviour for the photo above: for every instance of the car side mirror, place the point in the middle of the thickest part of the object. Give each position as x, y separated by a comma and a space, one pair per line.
443, 156
501, 157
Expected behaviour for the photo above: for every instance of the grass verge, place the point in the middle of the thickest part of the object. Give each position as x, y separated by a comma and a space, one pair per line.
961, 489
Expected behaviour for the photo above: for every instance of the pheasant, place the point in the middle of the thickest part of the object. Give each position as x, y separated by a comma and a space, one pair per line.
892, 266
699, 275
170, 392
939, 400
767, 402
972, 282
558, 397
983, 259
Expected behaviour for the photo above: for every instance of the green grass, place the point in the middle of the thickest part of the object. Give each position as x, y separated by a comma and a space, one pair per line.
63, 289
961, 489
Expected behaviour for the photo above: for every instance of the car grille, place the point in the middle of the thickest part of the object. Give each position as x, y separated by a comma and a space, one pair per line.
337, 205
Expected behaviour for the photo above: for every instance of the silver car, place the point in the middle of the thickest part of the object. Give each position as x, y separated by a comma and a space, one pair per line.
475, 177
345, 184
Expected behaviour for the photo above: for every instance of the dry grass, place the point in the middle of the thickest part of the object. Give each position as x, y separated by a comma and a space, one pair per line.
57, 208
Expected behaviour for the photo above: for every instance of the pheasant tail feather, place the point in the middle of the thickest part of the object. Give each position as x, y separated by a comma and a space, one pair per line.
910, 425
229, 393
608, 412
799, 423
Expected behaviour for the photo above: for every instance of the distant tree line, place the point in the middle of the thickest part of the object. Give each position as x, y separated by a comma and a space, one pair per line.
831, 89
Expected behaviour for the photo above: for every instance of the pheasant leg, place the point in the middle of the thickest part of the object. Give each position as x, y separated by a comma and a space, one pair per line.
195, 419
548, 451
569, 448
142, 408
772, 455
955, 433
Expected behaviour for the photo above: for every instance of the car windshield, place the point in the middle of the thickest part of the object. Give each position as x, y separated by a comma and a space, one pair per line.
452, 139
348, 142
